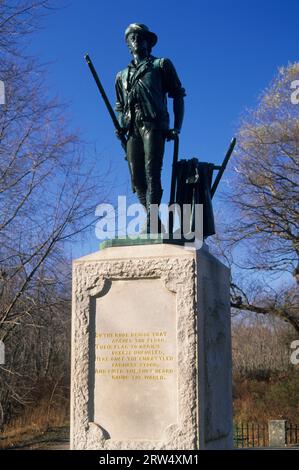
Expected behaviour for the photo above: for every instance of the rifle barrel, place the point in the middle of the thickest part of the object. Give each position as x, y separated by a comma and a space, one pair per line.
173, 181
223, 166
106, 100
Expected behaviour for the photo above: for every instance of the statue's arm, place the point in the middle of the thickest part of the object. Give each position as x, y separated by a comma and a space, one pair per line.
175, 91
119, 105
178, 111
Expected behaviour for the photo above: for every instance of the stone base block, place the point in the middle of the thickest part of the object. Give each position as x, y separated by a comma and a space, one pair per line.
151, 350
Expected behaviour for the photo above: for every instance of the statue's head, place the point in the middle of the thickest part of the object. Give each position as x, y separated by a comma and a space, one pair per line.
138, 37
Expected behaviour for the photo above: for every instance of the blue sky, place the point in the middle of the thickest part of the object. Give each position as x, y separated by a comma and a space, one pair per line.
225, 52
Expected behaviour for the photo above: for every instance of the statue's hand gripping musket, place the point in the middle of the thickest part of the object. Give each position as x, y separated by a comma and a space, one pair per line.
118, 129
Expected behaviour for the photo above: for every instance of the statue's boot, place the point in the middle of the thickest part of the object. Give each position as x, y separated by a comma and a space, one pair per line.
142, 200
146, 228
154, 196
141, 197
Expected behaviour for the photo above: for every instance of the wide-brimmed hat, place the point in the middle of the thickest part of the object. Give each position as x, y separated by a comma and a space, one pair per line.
142, 28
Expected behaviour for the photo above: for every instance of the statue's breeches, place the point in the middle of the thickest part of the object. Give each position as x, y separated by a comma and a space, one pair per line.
145, 150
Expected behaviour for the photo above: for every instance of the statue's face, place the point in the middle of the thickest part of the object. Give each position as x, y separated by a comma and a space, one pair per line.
137, 43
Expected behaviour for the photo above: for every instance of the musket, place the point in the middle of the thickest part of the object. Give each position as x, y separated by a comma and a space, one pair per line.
107, 103
110, 111
173, 180
223, 166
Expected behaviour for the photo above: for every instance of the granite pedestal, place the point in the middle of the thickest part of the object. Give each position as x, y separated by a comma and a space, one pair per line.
151, 350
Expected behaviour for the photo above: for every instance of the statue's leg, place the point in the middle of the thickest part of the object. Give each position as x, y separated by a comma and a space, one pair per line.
135, 157
154, 143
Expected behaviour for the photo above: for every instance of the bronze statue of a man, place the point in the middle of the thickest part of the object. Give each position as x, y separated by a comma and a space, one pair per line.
141, 90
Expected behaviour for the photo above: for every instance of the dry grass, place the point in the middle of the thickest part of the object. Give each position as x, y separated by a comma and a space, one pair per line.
36, 422
259, 400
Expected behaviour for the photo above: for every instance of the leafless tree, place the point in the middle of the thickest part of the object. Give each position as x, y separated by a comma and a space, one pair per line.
49, 188
260, 233
261, 346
